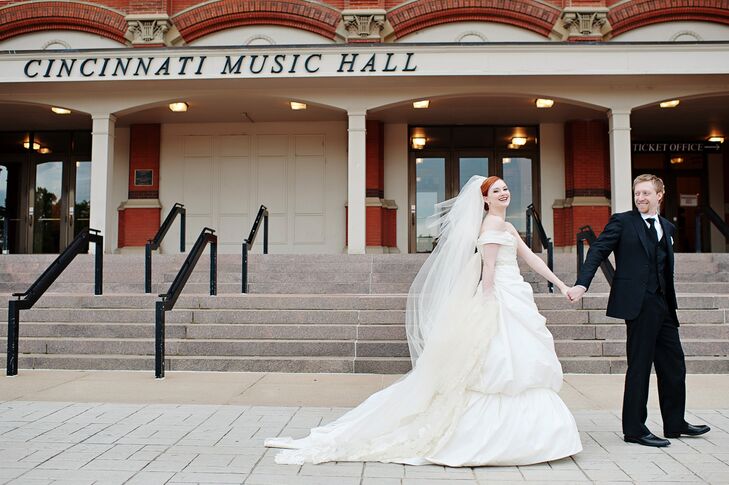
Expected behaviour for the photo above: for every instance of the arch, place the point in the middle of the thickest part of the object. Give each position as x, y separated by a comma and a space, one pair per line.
420, 14
219, 15
639, 13
26, 17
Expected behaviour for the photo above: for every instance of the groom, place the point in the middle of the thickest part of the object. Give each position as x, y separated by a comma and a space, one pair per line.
643, 295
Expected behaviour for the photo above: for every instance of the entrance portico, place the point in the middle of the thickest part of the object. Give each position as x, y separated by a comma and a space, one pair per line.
325, 198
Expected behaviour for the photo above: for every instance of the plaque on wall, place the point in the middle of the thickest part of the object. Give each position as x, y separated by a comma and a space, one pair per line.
143, 178
689, 200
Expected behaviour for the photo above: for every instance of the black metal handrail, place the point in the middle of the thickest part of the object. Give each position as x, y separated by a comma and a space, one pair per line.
155, 242
587, 234
169, 299
248, 244
713, 218
532, 214
29, 297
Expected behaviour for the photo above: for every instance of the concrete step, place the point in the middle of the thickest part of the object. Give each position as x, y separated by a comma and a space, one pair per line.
578, 365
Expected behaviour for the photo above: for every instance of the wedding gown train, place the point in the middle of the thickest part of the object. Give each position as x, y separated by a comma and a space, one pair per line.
483, 391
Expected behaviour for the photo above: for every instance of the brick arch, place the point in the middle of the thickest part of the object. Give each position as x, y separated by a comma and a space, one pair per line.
27, 17
420, 14
639, 13
219, 15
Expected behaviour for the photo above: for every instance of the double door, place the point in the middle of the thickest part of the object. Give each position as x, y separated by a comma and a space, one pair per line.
436, 176
44, 193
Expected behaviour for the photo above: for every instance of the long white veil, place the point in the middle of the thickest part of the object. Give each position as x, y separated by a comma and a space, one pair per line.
458, 221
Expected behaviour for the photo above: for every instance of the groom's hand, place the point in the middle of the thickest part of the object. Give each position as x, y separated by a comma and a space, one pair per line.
575, 293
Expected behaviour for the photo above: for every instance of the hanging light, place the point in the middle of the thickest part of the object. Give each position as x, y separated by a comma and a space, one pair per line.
418, 142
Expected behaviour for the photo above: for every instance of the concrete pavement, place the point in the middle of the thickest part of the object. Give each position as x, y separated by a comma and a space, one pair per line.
92, 427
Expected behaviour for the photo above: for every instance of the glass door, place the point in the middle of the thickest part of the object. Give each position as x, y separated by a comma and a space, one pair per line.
517, 173
46, 209
79, 212
430, 188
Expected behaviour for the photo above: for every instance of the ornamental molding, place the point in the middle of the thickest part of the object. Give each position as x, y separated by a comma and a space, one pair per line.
149, 29
364, 24
585, 22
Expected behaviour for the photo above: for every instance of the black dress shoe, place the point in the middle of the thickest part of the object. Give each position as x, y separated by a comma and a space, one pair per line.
689, 430
648, 440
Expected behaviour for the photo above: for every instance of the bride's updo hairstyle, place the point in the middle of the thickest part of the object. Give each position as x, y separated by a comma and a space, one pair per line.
486, 186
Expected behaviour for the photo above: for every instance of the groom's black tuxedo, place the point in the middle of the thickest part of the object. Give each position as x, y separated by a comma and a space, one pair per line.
643, 294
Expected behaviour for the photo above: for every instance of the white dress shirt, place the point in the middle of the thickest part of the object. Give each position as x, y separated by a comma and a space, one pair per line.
657, 224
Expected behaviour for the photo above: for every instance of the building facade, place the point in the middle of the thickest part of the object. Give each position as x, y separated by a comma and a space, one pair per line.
348, 120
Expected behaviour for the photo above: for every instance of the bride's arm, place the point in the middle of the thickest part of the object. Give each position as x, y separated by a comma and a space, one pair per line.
489, 268
536, 263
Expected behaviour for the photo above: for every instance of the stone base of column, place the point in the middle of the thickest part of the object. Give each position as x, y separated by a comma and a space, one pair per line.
139, 220
381, 226
573, 213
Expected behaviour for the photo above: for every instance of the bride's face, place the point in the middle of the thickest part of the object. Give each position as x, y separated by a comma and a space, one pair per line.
498, 195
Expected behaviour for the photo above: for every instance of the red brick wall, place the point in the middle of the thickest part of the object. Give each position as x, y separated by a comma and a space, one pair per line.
587, 174
144, 147
137, 225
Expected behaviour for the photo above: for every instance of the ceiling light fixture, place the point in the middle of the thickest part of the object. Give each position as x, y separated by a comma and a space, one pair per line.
544, 103
44, 150
297, 106
518, 141
418, 142
179, 107
422, 104
36, 145
716, 139
670, 104
676, 160
60, 111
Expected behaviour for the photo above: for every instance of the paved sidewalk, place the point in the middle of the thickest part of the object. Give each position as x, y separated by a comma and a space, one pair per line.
125, 427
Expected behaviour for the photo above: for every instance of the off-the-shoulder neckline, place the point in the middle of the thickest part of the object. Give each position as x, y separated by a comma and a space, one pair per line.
505, 231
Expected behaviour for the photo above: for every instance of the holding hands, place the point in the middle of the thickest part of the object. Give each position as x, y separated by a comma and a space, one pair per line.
575, 293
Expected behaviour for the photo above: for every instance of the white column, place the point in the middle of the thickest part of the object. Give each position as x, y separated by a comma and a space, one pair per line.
102, 171
356, 182
621, 179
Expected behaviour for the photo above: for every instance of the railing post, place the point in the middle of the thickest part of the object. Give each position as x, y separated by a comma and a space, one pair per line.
183, 215
148, 267
159, 339
99, 266
244, 267
13, 332
265, 232
550, 262
529, 227
213, 265
698, 230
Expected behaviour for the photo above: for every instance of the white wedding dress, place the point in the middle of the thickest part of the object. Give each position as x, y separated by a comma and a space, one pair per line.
483, 391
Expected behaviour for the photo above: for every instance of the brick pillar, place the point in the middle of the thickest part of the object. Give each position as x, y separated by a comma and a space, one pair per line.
139, 216
381, 235
587, 181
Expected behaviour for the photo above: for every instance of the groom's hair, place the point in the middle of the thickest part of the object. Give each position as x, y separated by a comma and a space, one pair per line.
649, 177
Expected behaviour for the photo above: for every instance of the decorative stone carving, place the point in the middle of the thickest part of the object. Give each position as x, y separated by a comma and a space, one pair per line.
364, 24
147, 29
585, 22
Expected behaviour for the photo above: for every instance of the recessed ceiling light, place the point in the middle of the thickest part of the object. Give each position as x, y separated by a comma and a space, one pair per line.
716, 139
519, 140
36, 145
676, 160
544, 103
422, 104
670, 104
44, 150
60, 111
297, 106
179, 107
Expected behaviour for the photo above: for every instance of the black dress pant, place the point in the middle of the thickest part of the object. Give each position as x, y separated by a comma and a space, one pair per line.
653, 340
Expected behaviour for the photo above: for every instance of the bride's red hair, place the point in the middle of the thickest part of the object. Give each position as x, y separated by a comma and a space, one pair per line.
486, 185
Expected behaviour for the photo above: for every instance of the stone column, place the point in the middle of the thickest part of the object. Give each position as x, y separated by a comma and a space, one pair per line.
102, 171
621, 177
356, 182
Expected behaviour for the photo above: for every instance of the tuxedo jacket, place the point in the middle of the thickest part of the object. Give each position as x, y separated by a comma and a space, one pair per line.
625, 235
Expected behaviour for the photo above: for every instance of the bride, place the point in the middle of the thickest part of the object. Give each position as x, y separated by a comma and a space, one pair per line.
485, 377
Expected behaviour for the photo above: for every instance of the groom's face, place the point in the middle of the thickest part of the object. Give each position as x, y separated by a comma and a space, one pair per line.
647, 200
